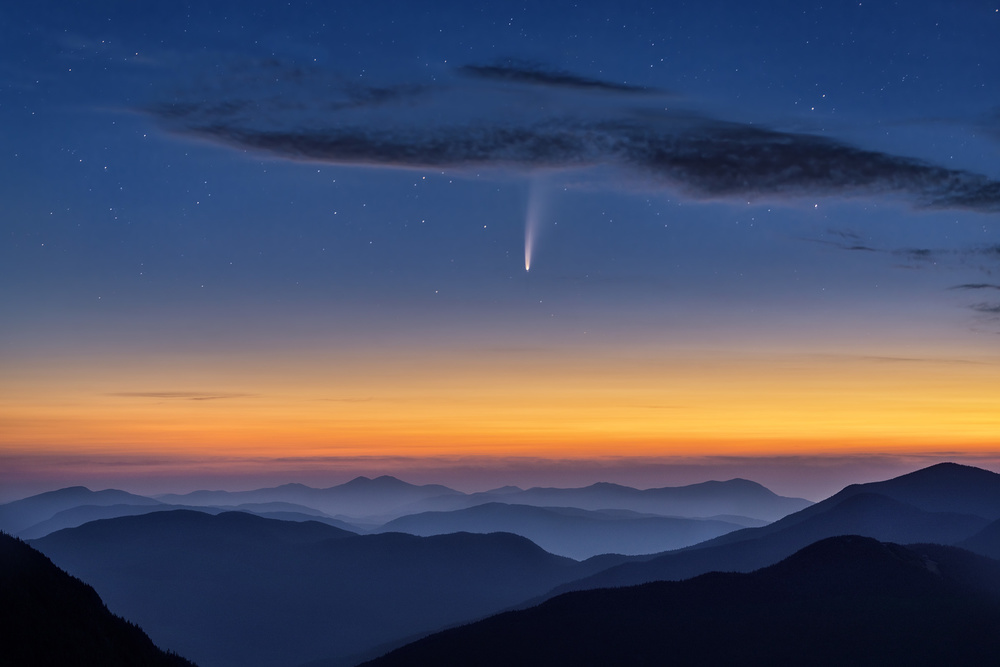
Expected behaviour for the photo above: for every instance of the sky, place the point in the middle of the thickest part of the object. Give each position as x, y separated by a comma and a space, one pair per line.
247, 243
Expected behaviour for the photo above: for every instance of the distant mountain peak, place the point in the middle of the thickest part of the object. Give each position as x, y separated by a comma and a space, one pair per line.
608, 485
388, 479
67, 491
381, 481
949, 470
505, 489
742, 481
951, 487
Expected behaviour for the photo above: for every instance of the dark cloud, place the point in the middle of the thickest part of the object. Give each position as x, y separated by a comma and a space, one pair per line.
982, 258
986, 308
484, 119
990, 251
917, 254
179, 395
910, 256
524, 71
847, 240
729, 159
846, 246
975, 286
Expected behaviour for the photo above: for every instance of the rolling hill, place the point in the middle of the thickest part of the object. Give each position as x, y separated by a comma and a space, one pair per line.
567, 531
359, 498
77, 516
235, 589
20, 514
738, 497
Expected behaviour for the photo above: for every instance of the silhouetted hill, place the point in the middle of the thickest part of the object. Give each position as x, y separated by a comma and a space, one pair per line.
869, 514
278, 506
739, 497
49, 618
371, 502
842, 601
360, 497
985, 542
296, 516
77, 516
239, 590
945, 487
566, 531
20, 514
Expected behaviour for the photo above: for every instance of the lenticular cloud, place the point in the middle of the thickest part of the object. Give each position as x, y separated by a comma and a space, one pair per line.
521, 116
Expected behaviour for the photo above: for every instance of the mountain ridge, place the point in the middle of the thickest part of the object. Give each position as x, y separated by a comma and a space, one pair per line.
842, 600
366, 503
20, 514
873, 515
571, 532
206, 584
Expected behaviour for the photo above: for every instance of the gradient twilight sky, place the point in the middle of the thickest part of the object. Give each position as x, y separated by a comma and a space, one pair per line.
246, 243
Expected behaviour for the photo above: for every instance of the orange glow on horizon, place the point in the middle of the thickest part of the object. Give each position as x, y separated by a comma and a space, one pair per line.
576, 405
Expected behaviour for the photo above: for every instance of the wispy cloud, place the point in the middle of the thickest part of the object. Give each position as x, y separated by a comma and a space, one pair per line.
975, 286
179, 395
525, 71
523, 116
846, 240
986, 308
983, 257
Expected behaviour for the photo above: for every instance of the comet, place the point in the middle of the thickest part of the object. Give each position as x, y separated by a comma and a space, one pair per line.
532, 221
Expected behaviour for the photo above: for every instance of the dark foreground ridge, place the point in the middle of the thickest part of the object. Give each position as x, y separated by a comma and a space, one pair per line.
51, 618
845, 600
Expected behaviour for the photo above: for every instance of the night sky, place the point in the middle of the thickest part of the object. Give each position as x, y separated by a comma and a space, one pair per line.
247, 243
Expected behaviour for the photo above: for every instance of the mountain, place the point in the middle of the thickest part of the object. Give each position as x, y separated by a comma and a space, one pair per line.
878, 510
51, 618
77, 516
570, 532
81, 514
359, 498
298, 516
945, 487
738, 497
235, 589
260, 508
985, 542
20, 514
386, 498
941, 488
842, 601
